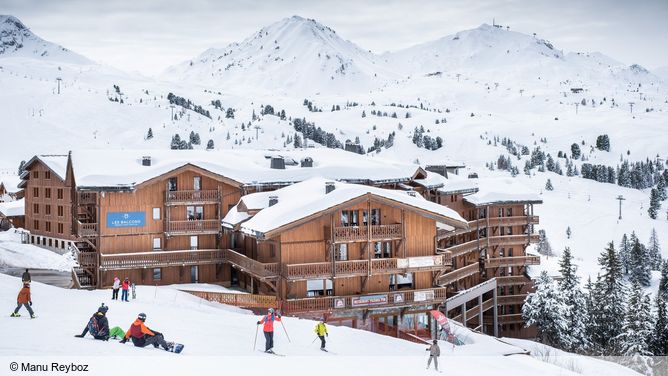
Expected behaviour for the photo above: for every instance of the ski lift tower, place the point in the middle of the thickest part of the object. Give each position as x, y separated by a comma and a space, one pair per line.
620, 198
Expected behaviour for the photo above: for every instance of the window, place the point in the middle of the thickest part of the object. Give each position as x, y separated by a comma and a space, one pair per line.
195, 213
500, 212
35, 225
47, 175
50, 241
510, 252
156, 214
47, 192
375, 217
194, 274
397, 281
61, 211
341, 252
60, 193
345, 219
197, 183
509, 230
47, 209
509, 212
60, 231
171, 184
35, 192
47, 227
156, 244
35, 208
482, 213
382, 249
319, 287
157, 274
194, 243
35, 174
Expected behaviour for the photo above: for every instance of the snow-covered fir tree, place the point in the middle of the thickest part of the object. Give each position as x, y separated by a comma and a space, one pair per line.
654, 204
654, 250
545, 308
635, 339
659, 341
543, 246
574, 338
609, 300
639, 263
663, 282
209, 145
149, 134
548, 185
625, 253
568, 232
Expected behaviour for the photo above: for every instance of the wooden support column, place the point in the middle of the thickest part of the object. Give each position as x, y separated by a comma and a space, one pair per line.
480, 322
368, 233
403, 233
496, 314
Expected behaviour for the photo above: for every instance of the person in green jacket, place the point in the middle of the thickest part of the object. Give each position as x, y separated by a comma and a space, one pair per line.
321, 332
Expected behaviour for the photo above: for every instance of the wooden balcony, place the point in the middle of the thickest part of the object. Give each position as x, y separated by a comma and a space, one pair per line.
87, 259
464, 248
352, 268
475, 311
511, 299
512, 280
207, 226
88, 229
159, 259
192, 197
458, 274
237, 300
513, 239
515, 318
361, 233
499, 262
87, 198
246, 264
398, 298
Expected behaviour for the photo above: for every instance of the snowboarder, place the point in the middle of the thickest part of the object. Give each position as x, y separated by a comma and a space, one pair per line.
24, 300
98, 325
125, 287
115, 288
268, 329
143, 336
434, 353
321, 332
26, 277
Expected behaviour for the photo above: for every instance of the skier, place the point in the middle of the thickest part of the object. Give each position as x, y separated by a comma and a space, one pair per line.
26, 277
24, 300
115, 288
321, 332
125, 287
143, 336
268, 329
98, 325
434, 353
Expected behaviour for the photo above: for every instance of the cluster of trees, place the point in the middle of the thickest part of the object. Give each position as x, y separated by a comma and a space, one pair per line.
506, 164
603, 142
379, 143
607, 317
657, 195
311, 107
422, 140
269, 110
318, 135
638, 175
187, 104
178, 144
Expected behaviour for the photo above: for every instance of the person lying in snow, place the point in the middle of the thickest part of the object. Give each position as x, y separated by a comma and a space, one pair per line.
143, 336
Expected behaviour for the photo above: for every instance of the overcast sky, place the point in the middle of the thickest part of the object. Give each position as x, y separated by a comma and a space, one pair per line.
148, 36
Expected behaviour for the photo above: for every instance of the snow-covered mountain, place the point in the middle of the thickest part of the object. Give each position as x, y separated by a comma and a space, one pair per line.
291, 55
16, 40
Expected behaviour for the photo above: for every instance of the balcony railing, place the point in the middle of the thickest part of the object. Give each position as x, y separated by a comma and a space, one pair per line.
512, 280
511, 299
361, 233
377, 300
195, 197
499, 262
472, 246
458, 274
249, 265
353, 268
237, 300
87, 259
88, 229
513, 318
87, 198
158, 259
208, 226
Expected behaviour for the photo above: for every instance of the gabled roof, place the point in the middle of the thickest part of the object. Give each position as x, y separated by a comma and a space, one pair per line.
57, 163
123, 169
302, 201
12, 208
10, 182
450, 185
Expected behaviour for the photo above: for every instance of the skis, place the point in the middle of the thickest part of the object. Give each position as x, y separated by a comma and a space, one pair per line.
271, 352
19, 315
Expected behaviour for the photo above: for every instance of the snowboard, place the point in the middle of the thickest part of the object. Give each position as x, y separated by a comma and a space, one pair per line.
176, 347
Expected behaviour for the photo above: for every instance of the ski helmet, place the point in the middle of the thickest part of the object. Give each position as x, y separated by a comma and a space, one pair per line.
271, 310
103, 308
142, 316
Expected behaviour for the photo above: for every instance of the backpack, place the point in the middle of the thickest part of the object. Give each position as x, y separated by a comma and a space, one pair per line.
93, 326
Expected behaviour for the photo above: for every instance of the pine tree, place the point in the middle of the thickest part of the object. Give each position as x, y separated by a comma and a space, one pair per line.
609, 297
21, 168
574, 338
298, 141
654, 250
575, 151
625, 253
663, 282
149, 135
568, 232
634, 340
661, 188
545, 308
639, 263
209, 145
654, 203
548, 185
543, 246
591, 302
659, 342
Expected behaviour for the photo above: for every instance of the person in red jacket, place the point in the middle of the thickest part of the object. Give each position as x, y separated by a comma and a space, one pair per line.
142, 336
268, 329
125, 287
24, 300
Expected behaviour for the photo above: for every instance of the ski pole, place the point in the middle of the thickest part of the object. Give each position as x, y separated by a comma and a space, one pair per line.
257, 327
314, 340
286, 332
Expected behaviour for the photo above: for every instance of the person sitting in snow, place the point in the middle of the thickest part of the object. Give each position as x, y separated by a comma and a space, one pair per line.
98, 325
143, 336
268, 329
24, 300
434, 353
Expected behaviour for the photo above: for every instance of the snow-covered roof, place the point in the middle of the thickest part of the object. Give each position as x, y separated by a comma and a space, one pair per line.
123, 169
12, 208
501, 191
307, 198
452, 184
10, 181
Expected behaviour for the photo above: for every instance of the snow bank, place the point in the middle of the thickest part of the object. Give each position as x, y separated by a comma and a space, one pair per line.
15, 254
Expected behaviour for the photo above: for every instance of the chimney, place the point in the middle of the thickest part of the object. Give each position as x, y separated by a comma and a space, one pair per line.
273, 200
277, 163
307, 162
146, 160
329, 186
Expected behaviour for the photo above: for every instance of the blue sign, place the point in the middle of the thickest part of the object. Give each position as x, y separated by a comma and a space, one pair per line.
126, 219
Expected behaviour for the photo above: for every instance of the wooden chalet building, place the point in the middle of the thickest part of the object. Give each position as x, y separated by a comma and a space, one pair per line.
362, 256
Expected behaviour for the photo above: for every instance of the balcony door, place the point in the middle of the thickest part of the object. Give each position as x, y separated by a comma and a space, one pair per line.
194, 213
194, 274
194, 243
382, 250
197, 183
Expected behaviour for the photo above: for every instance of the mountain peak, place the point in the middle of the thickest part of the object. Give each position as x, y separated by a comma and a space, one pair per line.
10, 22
